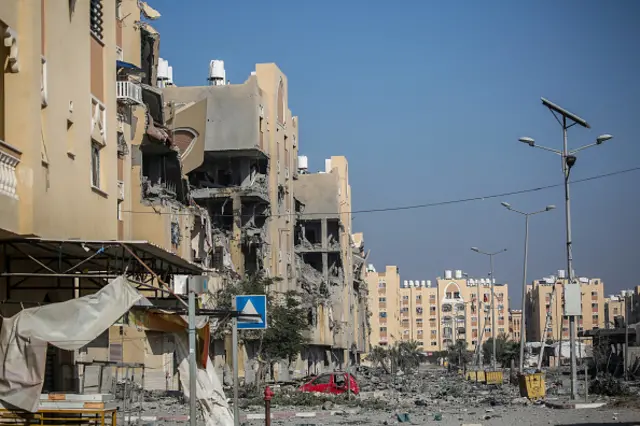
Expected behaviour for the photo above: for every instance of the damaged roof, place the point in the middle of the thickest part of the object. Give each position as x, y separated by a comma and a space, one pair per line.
319, 194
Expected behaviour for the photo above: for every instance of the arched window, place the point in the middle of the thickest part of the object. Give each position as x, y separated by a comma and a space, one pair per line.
281, 107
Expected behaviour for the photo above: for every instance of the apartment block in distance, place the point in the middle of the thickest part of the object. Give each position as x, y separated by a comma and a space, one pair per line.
617, 308
539, 303
437, 316
515, 322
384, 304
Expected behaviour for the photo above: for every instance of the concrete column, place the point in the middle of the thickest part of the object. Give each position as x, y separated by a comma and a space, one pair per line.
325, 267
324, 231
23, 109
237, 257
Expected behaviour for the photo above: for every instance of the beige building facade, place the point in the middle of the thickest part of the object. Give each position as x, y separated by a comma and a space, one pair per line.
453, 308
98, 144
384, 305
540, 303
515, 322
81, 129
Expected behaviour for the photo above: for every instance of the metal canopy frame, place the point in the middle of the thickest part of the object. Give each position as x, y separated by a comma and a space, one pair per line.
89, 262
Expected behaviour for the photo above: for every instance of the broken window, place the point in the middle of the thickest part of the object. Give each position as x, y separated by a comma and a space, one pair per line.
95, 164
175, 234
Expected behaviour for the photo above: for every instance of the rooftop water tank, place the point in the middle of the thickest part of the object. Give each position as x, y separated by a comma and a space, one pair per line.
447, 275
562, 274
163, 69
327, 165
458, 274
170, 74
217, 74
303, 162
423, 283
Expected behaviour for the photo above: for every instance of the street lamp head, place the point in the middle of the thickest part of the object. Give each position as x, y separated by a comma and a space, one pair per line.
476, 249
550, 207
506, 205
528, 141
603, 138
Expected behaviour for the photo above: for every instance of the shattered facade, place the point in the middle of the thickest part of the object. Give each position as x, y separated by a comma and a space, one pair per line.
328, 276
244, 178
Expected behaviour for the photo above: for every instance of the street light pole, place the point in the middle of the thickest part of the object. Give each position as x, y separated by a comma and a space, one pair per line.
523, 340
493, 306
568, 159
494, 358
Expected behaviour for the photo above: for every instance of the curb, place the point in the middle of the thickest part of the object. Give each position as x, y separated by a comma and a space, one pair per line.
574, 405
156, 418
277, 415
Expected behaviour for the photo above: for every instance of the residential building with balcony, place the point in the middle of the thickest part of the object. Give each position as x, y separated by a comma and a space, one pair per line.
78, 110
419, 313
515, 322
455, 308
618, 308
540, 304
384, 305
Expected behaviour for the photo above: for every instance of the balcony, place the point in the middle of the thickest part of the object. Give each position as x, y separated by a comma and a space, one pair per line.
128, 93
8, 178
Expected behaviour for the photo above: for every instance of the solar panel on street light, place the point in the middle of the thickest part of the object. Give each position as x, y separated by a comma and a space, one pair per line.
563, 112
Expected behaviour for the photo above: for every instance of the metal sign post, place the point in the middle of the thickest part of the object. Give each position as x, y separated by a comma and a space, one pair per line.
249, 306
234, 345
193, 399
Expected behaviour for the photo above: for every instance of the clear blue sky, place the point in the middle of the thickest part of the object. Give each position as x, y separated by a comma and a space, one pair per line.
427, 99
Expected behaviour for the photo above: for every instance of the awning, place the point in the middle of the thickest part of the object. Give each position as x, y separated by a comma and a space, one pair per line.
127, 65
112, 254
91, 262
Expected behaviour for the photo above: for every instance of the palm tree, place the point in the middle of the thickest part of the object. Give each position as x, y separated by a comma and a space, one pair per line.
379, 356
458, 353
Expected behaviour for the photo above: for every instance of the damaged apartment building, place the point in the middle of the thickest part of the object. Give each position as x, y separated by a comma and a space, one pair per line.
326, 271
244, 179
153, 155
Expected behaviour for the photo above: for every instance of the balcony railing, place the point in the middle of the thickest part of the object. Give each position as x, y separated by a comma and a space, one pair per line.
129, 92
8, 179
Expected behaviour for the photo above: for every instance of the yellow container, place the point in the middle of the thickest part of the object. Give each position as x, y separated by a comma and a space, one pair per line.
471, 376
494, 377
532, 385
480, 376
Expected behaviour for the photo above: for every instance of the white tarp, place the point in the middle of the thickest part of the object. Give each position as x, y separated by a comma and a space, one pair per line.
208, 387
69, 325
565, 351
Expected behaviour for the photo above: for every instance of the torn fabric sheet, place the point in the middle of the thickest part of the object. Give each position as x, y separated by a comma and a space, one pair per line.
68, 325
209, 391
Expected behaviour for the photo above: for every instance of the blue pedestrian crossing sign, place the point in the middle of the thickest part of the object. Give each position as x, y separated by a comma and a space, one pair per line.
252, 305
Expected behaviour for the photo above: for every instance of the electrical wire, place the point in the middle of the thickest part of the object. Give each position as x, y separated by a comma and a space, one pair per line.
423, 205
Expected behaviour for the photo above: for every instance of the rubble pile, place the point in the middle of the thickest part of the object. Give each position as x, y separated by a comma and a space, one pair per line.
609, 386
431, 387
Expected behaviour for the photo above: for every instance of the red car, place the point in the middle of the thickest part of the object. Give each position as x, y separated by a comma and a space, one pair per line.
334, 383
